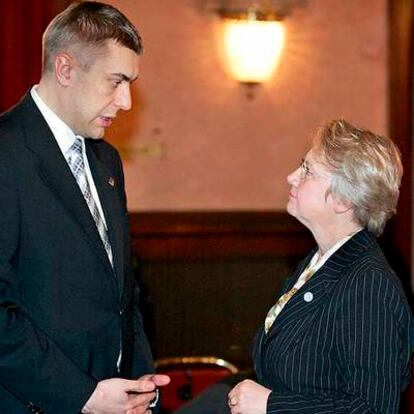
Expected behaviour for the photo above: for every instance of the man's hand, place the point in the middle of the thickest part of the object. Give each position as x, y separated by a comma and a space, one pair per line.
248, 397
159, 380
121, 396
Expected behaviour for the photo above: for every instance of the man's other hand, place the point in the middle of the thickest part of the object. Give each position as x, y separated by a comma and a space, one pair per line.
121, 396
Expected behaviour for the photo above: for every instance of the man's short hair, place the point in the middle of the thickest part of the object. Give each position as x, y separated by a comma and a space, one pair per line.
366, 171
84, 28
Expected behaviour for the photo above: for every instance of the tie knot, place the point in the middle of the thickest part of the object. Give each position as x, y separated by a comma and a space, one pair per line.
75, 158
76, 147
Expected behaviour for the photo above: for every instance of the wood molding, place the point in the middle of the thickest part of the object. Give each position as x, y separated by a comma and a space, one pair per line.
178, 235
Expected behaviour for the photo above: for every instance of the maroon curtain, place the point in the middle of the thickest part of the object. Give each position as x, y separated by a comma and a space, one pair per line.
21, 28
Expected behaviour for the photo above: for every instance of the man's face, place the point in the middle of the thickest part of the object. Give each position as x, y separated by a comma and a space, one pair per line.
97, 94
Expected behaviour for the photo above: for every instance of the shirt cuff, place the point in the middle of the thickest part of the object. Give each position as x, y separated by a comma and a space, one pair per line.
154, 402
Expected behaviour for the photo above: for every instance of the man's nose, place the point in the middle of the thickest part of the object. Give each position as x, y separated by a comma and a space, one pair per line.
123, 97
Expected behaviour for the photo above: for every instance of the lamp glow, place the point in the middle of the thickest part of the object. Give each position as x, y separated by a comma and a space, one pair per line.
253, 48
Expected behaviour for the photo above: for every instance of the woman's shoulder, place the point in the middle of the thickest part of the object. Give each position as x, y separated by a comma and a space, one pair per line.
365, 263
371, 267
370, 281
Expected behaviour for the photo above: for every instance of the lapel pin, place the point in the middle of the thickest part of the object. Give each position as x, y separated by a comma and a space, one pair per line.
308, 297
111, 181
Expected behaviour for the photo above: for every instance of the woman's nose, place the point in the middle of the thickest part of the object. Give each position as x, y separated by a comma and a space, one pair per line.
294, 177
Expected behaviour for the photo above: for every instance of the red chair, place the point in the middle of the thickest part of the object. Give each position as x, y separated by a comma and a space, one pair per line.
189, 376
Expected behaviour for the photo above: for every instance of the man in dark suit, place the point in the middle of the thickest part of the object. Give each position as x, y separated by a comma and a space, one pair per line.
71, 337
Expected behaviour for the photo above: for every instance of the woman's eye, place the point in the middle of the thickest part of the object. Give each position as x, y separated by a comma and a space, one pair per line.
305, 171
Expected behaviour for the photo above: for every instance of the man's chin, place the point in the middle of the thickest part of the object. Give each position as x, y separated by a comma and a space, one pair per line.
97, 133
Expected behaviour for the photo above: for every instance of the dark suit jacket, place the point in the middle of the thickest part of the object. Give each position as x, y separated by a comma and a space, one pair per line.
347, 350
63, 310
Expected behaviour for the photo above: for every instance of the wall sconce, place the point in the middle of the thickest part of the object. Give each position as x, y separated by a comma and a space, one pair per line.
254, 36
253, 43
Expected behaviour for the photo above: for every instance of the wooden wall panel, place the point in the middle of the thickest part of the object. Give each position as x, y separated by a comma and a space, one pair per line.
398, 234
209, 278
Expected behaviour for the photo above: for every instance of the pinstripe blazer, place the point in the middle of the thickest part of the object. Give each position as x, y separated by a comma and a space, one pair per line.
348, 349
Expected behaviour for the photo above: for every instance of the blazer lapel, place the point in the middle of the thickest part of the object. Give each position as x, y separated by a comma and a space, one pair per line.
55, 172
290, 281
106, 186
313, 293
262, 337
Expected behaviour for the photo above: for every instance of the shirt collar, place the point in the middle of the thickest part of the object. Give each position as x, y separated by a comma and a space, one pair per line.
64, 136
318, 261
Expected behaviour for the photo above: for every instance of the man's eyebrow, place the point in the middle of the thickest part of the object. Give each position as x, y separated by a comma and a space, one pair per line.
124, 77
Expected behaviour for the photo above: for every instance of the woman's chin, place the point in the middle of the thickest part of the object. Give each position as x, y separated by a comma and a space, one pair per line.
290, 209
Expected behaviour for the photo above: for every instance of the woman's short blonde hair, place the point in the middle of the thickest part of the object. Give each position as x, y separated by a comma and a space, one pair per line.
366, 171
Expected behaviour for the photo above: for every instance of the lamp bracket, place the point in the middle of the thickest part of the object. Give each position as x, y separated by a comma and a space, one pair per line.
253, 9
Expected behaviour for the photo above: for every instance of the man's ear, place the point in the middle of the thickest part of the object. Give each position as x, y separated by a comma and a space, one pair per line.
64, 66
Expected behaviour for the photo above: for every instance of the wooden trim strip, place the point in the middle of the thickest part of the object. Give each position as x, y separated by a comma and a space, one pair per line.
209, 235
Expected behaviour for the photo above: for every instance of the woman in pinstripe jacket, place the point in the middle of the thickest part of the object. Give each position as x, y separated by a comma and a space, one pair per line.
340, 335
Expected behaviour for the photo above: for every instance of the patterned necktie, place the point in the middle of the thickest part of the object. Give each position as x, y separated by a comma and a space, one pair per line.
277, 308
77, 166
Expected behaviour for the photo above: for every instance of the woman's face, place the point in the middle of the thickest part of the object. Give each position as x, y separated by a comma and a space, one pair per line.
309, 200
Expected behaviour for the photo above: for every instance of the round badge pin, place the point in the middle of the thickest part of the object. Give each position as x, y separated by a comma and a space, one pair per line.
308, 297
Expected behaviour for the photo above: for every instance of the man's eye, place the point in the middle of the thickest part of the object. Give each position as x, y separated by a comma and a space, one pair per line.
116, 82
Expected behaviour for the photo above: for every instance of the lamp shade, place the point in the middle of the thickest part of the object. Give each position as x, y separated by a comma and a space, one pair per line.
253, 48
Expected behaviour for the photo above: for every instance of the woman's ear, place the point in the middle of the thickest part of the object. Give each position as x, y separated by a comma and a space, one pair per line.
341, 206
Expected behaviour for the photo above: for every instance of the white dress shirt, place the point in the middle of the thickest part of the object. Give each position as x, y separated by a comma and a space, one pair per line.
65, 137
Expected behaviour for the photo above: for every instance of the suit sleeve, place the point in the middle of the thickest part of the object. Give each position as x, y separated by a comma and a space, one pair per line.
142, 360
32, 367
373, 353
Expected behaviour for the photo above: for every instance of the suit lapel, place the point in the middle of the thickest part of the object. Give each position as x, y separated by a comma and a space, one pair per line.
106, 186
314, 292
55, 172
